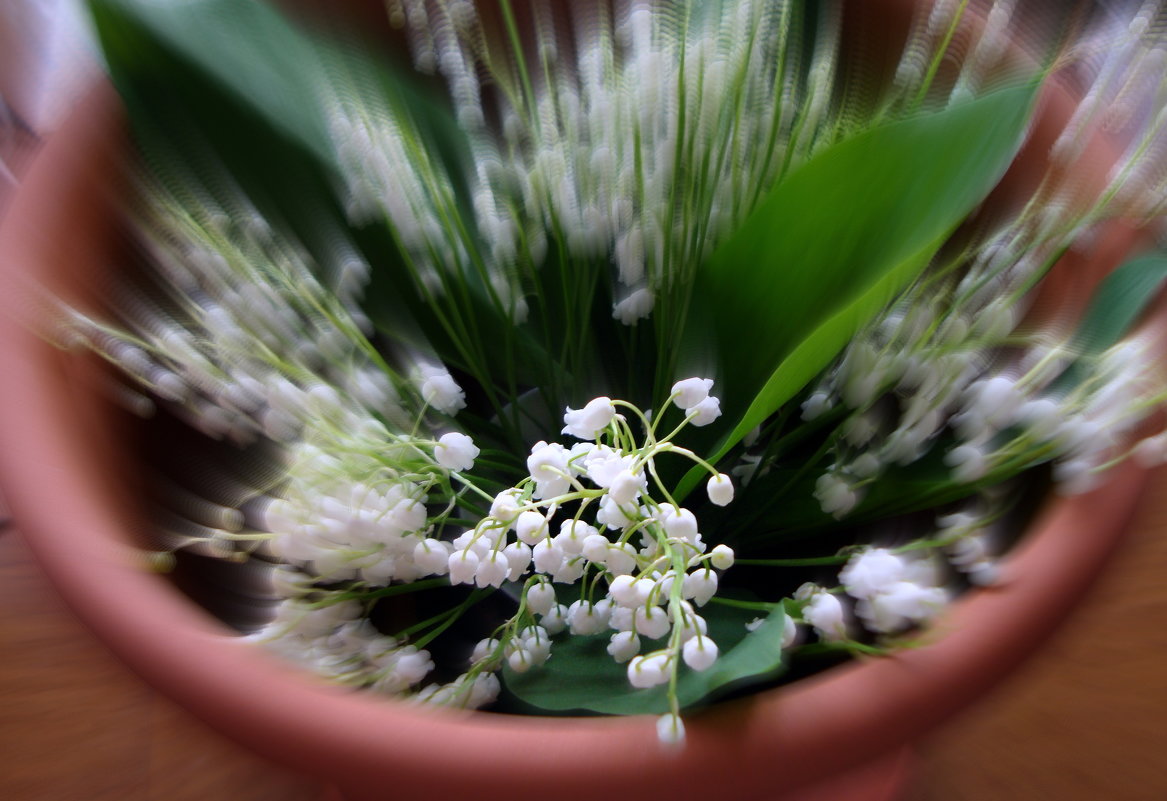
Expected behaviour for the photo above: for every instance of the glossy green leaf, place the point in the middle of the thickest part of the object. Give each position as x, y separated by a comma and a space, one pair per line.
1121, 298
582, 677
1118, 304
244, 44
837, 240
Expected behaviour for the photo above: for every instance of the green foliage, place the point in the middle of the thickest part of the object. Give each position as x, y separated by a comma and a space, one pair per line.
837, 240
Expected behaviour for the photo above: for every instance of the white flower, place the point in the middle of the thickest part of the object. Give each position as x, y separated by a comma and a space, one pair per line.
872, 571
541, 598
588, 618
969, 462
572, 534
614, 516
456, 452
593, 418
440, 390
483, 649
636, 306
547, 465
835, 495
678, 522
620, 559
651, 621
630, 591
431, 555
996, 399
518, 556
462, 566
520, 660
505, 506
691, 391
815, 405
623, 646
720, 489
555, 620
825, 612
492, 570
789, 632
699, 652
721, 557
705, 412
649, 670
627, 486
902, 604
530, 527
700, 585
670, 729
548, 556
595, 548
602, 464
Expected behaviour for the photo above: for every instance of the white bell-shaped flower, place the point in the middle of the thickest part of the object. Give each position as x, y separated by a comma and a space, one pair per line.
649, 670
691, 391
699, 652
705, 412
592, 419
440, 390
825, 612
587, 618
541, 598
548, 556
431, 556
678, 522
555, 620
518, 557
614, 516
547, 465
651, 621
627, 486
531, 527
700, 586
630, 591
872, 571
670, 730
456, 451
721, 557
720, 489
462, 566
623, 646
492, 570
505, 506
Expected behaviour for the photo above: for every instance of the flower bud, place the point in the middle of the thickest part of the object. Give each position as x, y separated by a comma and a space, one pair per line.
720, 489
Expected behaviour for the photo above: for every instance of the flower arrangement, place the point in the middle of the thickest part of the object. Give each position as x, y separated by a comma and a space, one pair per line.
670, 344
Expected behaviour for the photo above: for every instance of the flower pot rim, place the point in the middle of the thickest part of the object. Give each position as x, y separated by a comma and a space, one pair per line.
783, 737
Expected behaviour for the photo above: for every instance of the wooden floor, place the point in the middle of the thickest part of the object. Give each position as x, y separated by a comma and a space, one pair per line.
1084, 722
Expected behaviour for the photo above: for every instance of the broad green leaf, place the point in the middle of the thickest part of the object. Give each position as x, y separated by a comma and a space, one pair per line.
582, 677
244, 44
1121, 299
1117, 305
834, 243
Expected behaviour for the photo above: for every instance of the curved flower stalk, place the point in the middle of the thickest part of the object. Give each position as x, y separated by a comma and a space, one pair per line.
405, 292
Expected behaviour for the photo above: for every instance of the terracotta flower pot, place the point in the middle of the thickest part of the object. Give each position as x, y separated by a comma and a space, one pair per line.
72, 489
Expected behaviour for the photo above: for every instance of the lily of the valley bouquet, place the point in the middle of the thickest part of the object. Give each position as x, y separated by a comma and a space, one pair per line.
612, 357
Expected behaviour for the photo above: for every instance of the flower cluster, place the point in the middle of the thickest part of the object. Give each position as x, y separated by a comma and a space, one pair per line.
596, 515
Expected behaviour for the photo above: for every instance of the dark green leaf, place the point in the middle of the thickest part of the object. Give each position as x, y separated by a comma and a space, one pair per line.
1121, 299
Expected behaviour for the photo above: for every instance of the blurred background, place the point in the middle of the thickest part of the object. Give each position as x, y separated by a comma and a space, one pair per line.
1084, 720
